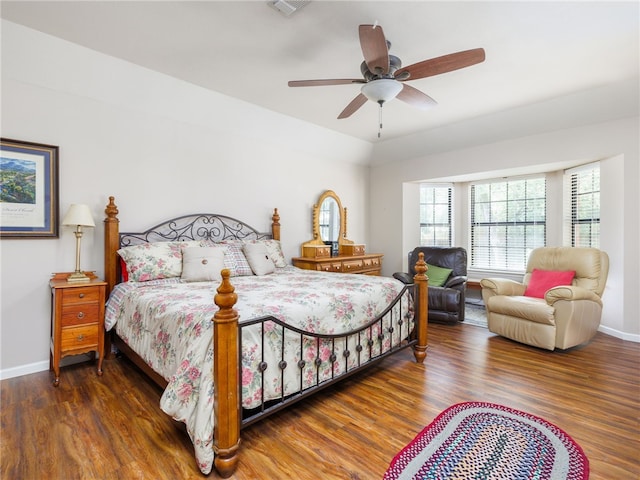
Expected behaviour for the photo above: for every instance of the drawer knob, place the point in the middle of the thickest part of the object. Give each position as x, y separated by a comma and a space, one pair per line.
81, 295
80, 337
80, 314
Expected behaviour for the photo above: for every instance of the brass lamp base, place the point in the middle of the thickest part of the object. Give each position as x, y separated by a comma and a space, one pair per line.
78, 277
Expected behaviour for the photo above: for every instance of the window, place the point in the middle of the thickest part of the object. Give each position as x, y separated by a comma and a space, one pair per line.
582, 206
435, 215
508, 220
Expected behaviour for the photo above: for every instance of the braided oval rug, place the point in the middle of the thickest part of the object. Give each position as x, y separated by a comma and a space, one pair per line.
487, 441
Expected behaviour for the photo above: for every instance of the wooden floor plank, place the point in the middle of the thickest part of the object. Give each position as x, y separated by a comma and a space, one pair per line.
111, 427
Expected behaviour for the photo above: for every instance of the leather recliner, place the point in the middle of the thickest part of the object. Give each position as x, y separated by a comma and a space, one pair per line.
446, 303
567, 315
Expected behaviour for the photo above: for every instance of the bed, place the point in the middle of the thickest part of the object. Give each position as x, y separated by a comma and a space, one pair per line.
208, 307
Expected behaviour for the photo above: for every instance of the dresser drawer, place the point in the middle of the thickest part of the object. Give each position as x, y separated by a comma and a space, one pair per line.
371, 262
329, 267
80, 314
79, 337
351, 266
316, 251
80, 295
352, 249
336, 267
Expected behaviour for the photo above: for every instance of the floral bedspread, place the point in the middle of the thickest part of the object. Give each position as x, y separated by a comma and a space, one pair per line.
169, 324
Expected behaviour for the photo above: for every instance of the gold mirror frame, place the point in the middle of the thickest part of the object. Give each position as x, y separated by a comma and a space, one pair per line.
317, 212
317, 238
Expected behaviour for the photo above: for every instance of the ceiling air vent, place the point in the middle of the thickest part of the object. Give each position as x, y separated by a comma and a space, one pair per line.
289, 6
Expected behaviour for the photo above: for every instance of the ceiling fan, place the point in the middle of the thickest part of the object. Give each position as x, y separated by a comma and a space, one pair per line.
384, 77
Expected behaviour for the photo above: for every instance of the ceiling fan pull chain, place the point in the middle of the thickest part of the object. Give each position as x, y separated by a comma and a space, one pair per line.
380, 120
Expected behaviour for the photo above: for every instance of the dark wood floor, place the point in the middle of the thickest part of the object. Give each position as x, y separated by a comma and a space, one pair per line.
111, 427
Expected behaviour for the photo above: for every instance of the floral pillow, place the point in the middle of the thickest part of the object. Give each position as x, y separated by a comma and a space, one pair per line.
152, 261
274, 249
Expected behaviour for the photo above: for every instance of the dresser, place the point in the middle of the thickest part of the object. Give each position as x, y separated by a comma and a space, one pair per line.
77, 320
369, 264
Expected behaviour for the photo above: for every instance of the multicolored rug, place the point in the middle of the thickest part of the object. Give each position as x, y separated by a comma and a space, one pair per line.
487, 441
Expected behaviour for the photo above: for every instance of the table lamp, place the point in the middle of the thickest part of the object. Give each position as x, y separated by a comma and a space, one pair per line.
79, 216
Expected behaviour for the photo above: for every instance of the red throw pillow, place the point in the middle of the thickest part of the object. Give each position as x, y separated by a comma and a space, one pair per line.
543, 280
123, 270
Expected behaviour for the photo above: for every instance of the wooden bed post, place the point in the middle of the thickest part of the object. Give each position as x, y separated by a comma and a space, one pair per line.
275, 225
111, 244
422, 310
226, 379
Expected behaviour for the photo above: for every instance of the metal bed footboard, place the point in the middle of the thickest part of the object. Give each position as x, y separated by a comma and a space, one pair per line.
361, 349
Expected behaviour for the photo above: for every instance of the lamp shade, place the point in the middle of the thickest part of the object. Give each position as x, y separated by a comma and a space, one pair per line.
78, 214
381, 90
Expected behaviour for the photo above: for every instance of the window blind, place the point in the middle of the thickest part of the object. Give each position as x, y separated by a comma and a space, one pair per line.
436, 226
508, 220
581, 219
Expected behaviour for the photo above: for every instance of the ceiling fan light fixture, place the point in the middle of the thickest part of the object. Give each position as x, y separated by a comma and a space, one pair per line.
381, 90
287, 7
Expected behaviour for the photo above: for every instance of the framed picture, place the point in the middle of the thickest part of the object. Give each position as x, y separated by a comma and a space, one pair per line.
28, 190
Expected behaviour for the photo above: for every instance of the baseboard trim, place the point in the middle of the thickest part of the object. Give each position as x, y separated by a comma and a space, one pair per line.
24, 370
41, 366
618, 334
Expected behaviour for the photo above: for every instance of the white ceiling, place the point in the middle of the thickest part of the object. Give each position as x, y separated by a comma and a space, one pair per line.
535, 51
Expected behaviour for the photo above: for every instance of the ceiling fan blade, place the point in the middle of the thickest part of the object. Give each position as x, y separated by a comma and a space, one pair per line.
355, 104
374, 48
317, 83
444, 64
415, 97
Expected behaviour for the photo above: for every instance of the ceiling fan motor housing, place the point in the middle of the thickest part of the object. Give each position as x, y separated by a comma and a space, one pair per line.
394, 65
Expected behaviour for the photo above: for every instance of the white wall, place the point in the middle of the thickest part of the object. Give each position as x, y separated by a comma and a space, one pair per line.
615, 143
163, 148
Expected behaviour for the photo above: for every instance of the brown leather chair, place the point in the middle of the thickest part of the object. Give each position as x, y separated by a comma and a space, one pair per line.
567, 315
446, 303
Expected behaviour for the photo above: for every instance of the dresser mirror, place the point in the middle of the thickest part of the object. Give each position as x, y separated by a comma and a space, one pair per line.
329, 217
329, 229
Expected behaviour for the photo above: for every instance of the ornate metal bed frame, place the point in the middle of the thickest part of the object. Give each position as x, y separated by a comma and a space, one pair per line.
229, 417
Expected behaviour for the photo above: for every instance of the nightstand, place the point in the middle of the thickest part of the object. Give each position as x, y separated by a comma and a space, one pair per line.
77, 319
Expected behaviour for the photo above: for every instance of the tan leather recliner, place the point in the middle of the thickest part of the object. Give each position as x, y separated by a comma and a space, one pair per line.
567, 315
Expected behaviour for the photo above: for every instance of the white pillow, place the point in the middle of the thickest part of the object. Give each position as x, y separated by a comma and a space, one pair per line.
274, 249
258, 258
202, 264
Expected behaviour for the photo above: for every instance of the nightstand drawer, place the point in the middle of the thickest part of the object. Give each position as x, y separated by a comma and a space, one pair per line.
80, 314
79, 337
80, 295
